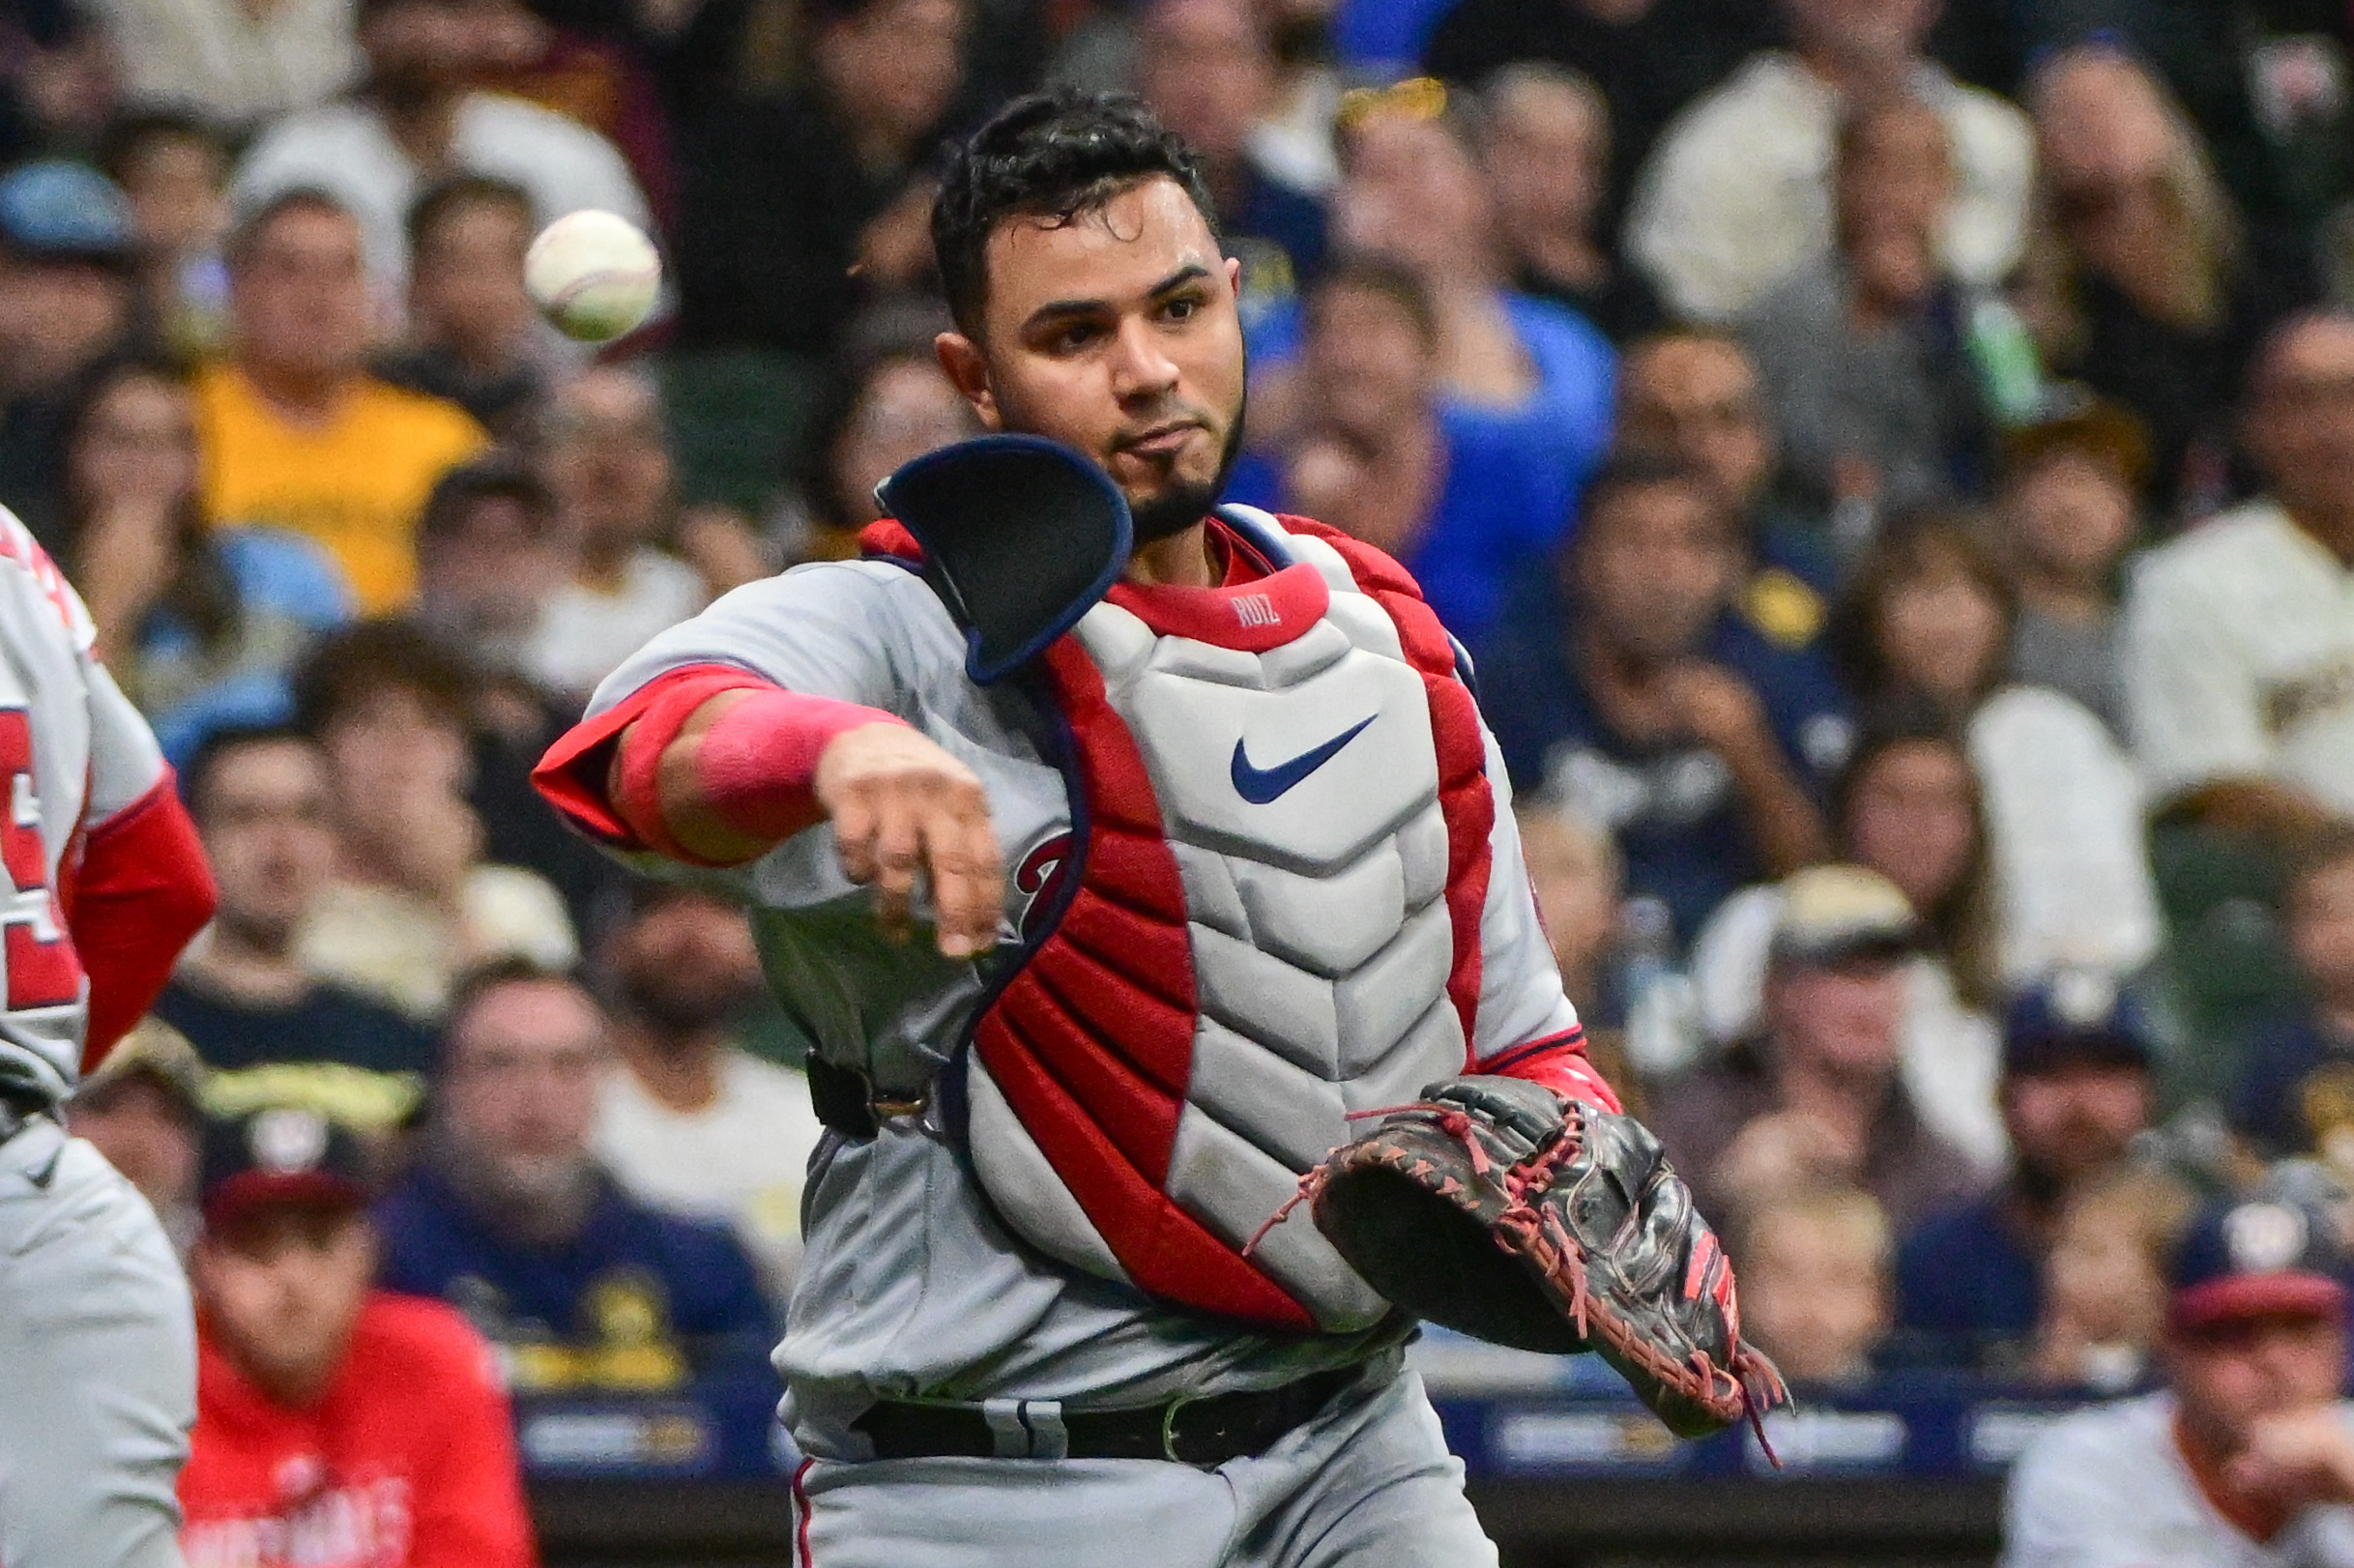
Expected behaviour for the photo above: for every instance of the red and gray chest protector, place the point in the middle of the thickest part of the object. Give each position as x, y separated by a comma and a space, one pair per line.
1285, 820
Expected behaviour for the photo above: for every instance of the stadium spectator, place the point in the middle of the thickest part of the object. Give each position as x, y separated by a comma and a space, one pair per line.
336, 1423
420, 114
688, 1121
174, 170
2068, 508
68, 291
1547, 149
2075, 1090
1737, 194
2247, 1453
508, 1216
1375, 451
891, 403
143, 1108
2296, 1089
1816, 1096
237, 66
295, 433
607, 460
1208, 71
1648, 58
1814, 1286
1624, 688
490, 556
2143, 283
1578, 875
793, 208
2103, 1282
2239, 637
474, 337
1862, 350
412, 904
242, 995
1693, 396
201, 625
1928, 618
1906, 806
1412, 189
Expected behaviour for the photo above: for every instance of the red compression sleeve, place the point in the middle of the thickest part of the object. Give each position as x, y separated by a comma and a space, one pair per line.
1561, 1064
142, 890
755, 766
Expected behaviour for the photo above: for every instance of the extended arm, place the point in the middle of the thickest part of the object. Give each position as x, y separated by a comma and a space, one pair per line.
713, 766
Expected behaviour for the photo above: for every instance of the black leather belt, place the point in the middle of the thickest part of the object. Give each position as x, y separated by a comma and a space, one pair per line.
17, 1113
1204, 1433
847, 1101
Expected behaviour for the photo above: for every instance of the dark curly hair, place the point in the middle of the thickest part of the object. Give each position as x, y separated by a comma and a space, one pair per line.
1056, 157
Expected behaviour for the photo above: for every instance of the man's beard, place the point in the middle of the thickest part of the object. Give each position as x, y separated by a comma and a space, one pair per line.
1180, 506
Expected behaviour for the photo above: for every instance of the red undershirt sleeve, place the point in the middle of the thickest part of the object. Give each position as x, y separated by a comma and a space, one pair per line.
140, 890
757, 764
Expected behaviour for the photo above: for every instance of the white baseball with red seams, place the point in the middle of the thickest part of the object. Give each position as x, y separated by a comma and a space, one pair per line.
594, 274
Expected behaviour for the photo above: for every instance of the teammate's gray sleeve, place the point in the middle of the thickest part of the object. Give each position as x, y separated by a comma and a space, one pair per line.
860, 632
1520, 986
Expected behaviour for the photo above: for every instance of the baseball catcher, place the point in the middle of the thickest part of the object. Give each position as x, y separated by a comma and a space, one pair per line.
1142, 877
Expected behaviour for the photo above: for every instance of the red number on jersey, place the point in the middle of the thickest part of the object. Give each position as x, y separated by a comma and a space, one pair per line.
43, 970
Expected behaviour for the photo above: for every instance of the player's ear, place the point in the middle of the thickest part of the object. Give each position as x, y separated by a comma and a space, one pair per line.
961, 359
1234, 275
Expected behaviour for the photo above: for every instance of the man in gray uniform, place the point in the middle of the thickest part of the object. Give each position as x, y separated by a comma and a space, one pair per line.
1228, 862
105, 884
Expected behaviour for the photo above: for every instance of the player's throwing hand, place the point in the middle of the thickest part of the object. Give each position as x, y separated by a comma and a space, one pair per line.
901, 805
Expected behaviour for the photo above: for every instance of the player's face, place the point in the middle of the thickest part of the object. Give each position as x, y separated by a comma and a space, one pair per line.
1116, 334
282, 1288
2231, 1376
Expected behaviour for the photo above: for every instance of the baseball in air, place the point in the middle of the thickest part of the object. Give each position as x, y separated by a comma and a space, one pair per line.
592, 274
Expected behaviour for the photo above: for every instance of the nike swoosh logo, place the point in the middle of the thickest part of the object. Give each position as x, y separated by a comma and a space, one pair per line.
1261, 785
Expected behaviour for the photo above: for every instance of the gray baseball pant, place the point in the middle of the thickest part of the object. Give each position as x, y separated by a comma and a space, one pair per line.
99, 1344
1366, 1484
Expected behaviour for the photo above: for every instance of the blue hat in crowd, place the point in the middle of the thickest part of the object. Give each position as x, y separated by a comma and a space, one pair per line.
56, 210
2079, 1016
2262, 1257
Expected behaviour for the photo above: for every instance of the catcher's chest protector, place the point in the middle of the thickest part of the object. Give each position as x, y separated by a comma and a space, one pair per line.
1277, 922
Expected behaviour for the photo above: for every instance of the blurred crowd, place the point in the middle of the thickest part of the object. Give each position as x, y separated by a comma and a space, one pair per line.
1892, 465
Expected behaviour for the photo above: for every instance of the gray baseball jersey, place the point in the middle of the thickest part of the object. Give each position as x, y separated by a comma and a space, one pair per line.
2108, 1488
95, 1333
910, 1286
73, 752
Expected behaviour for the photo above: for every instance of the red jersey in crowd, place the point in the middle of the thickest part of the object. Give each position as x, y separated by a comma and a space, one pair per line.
408, 1462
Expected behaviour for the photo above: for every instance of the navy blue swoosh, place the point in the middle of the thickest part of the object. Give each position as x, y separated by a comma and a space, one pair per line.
1261, 785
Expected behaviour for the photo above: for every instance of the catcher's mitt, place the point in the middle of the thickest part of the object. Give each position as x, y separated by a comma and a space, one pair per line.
1502, 1211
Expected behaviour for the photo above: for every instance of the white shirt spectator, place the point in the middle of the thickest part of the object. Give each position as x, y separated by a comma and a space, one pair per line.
1952, 1054
741, 1161
2239, 659
344, 149
2108, 1488
1737, 196
232, 62
584, 636
406, 952
2073, 888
